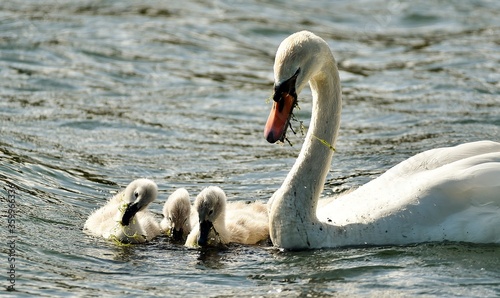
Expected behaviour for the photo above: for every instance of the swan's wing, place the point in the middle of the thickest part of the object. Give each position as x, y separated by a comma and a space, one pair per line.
442, 191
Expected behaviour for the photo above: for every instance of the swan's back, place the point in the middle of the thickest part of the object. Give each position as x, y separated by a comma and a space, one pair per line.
101, 219
248, 223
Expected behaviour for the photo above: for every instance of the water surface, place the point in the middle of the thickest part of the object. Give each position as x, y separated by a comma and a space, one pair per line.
94, 94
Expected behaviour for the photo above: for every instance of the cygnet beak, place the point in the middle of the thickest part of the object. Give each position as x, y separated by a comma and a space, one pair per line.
130, 211
205, 228
176, 234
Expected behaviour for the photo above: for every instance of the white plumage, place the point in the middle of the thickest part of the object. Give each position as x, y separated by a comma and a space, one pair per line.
178, 216
444, 194
221, 223
125, 217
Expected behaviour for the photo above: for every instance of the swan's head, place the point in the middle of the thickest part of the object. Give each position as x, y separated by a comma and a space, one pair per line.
299, 58
211, 207
137, 196
177, 210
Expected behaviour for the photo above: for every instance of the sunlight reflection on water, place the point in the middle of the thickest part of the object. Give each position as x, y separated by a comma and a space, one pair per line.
95, 94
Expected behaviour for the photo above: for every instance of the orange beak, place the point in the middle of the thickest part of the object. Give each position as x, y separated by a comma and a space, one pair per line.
277, 122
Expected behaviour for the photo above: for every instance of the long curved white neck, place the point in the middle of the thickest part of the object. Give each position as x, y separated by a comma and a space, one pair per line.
293, 206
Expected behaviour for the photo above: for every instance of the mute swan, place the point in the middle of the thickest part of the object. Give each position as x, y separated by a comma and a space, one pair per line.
444, 194
125, 218
240, 223
178, 215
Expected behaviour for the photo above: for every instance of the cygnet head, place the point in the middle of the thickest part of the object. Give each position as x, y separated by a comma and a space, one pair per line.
137, 196
177, 211
299, 58
211, 207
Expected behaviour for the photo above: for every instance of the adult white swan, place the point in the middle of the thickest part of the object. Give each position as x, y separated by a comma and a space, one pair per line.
125, 217
441, 194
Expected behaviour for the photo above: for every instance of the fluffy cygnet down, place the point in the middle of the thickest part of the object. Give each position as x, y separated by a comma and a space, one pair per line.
178, 216
220, 223
125, 217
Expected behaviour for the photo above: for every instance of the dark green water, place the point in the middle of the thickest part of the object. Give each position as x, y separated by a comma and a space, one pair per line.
94, 94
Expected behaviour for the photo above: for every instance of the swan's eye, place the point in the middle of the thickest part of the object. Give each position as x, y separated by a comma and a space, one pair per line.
169, 218
286, 87
136, 194
210, 212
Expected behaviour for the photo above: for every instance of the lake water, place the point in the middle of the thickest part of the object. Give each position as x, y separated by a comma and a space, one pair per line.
94, 94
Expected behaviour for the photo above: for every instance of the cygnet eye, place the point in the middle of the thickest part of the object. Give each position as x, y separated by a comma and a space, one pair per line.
210, 212
136, 194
